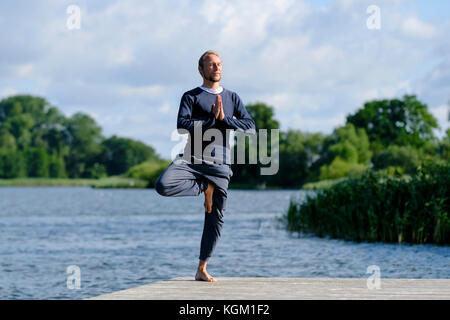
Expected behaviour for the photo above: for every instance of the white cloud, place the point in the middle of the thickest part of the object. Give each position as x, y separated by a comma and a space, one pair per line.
414, 27
94, 115
165, 108
314, 124
130, 62
143, 92
7, 91
388, 92
111, 119
123, 55
279, 101
442, 113
23, 70
137, 118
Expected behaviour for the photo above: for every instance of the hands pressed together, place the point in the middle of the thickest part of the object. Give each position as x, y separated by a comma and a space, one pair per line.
217, 108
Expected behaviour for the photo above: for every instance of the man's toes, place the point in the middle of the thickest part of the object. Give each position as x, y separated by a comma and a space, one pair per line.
208, 278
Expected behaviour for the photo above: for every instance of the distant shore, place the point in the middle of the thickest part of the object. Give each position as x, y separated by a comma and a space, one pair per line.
108, 182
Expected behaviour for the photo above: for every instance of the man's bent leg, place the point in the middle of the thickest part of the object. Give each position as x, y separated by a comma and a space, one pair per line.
178, 180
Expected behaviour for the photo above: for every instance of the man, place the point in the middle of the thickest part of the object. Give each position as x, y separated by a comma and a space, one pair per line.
205, 166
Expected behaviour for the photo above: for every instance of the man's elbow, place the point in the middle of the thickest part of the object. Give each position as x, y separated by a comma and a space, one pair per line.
251, 131
181, 127
252, 128
248, 130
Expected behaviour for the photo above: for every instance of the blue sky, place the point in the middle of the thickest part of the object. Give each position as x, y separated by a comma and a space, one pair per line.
315, 62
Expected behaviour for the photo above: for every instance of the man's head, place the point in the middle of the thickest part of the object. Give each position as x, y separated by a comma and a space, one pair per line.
210, 66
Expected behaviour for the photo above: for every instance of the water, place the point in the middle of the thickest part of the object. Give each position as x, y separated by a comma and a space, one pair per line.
121, 238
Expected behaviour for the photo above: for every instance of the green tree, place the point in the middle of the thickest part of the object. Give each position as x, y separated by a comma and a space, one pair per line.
57, 166
443, 148
84, 138
348, 152
406, 158
249, 174
21, 115
28, 121
7, 140
298, 150
37, 160
263, 115
51, 133
404, 121
49, 144
120, 154
12, 164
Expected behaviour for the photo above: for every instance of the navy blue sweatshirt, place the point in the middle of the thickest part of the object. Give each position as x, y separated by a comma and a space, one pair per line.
196, 105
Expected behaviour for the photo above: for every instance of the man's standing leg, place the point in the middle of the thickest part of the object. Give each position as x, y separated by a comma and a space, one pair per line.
211, 234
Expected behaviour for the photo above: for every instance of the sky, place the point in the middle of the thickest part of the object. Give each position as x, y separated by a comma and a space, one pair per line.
314, 62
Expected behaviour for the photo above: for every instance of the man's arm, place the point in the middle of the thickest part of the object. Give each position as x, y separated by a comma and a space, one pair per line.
243, 121
185, 120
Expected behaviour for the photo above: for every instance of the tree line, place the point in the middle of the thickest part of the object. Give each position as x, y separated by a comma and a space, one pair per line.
392, 136
37, 140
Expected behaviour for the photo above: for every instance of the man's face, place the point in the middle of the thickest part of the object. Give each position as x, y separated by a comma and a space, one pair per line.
212, 68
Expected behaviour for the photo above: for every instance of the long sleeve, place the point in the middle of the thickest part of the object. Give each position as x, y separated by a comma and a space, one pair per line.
243, 121
185, 120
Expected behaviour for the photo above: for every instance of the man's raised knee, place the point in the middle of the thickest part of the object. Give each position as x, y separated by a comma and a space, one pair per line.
159, 187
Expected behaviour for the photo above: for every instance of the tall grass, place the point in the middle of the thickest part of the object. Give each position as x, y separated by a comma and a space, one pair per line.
380, 208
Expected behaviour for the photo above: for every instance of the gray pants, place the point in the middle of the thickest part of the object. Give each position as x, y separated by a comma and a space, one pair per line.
191, 179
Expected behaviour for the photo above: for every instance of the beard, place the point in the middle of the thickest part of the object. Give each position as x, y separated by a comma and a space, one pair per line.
213, 78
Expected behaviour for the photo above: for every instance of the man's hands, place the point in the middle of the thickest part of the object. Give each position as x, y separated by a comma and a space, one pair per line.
217, 108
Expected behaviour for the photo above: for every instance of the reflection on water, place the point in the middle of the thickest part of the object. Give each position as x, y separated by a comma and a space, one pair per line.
122, 238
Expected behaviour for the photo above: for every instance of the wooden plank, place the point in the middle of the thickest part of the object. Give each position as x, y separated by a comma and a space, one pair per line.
285, 289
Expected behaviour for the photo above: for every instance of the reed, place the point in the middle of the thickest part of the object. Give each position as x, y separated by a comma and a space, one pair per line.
379, 208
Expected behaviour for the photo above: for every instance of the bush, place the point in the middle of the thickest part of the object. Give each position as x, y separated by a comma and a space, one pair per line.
380, 208
149, 171
340, 168
405, 157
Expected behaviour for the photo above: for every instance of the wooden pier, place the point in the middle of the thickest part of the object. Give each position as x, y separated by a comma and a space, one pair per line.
287, 289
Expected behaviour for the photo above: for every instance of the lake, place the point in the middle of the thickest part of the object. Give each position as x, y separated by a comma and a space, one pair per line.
123, 238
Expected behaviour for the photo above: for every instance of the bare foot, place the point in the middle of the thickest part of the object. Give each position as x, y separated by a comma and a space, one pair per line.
202, 275
209, 198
